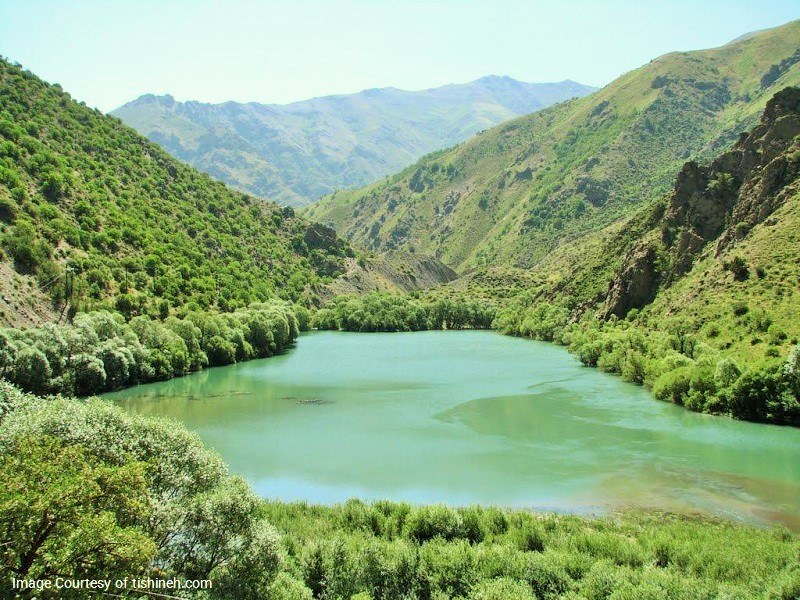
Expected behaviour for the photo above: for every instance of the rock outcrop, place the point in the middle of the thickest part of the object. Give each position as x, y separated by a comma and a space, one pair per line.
636, 283
718, 203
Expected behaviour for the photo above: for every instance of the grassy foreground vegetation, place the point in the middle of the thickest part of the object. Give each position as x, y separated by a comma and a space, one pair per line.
88, 490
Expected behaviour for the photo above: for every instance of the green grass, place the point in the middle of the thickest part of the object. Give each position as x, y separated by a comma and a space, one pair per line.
769, 299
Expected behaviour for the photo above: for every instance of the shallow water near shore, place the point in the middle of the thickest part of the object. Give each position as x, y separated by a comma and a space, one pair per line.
473, 416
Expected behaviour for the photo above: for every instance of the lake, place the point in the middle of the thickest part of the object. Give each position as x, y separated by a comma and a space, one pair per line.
473, 416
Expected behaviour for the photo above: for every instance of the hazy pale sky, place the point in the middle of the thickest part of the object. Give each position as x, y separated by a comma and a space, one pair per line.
109, 52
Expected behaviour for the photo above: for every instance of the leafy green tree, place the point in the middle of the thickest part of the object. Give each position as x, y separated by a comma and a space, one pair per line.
32, 370
8, 353
220, 351
251, 565
23, 244
726, 373
753, 393
64, 513
89, 374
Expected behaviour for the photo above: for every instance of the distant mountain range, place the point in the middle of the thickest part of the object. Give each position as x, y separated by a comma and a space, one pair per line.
296, 153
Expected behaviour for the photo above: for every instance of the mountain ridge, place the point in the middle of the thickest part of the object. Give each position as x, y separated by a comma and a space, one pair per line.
512, 194
294, 153
147, 96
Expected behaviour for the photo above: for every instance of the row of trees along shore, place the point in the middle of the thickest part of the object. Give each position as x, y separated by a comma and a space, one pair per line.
101, 351
671, 361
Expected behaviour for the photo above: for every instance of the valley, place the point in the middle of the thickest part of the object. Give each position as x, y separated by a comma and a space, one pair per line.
549, 349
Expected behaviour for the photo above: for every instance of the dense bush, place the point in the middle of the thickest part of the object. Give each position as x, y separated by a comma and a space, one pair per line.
638, 555
99, 351
89, 490
399, 312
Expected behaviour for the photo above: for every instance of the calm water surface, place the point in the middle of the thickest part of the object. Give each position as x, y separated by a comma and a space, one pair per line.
462, 417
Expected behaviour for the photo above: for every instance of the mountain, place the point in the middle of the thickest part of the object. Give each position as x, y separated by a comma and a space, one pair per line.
298, 152
720, 250
93, 215
512, 195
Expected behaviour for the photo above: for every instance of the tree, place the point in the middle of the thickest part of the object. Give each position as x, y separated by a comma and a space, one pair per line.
65, 513
250, 570
757, 395
726, 373
8, 352
24, 246
32, 370
220, 351
89, 374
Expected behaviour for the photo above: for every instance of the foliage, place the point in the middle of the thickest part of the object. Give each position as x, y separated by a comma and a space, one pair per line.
115, 494
636, 554
106, 219
99, 351
671, 361
63, 511
398, 312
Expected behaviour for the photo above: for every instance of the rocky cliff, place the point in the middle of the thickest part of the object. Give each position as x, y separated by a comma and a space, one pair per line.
714, 207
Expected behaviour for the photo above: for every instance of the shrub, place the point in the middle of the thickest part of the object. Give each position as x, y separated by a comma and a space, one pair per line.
546, 576
449, 568
673, 385
738, 267
220, 351
501, 589
31, 370
529, 537
726, 373
428, 522
740, 308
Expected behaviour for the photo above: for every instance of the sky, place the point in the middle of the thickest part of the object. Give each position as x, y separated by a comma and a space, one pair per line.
106, 53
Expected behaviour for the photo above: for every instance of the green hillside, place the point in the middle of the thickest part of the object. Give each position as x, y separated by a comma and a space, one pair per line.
95, 215
298, 152
722, 242
513, 193
696, 295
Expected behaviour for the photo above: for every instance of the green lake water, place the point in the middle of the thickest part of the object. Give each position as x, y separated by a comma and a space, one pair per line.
473, 416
